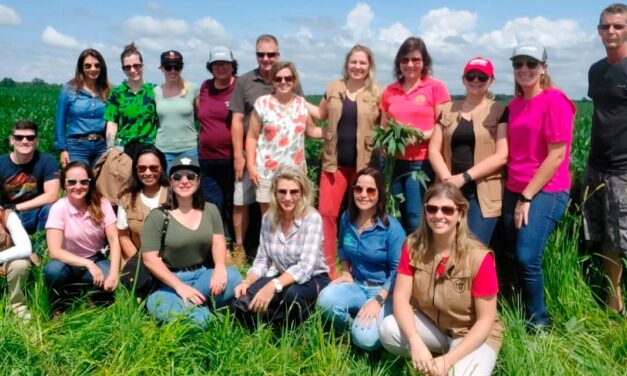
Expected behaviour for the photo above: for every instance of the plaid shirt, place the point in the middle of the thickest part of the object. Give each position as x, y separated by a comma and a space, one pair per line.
298, 253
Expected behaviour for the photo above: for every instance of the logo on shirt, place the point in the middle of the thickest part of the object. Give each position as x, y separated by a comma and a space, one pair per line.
420, 99
459, 286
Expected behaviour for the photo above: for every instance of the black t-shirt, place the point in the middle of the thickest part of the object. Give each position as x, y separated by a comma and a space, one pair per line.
607, 86
462, 147
347, 135
25, 182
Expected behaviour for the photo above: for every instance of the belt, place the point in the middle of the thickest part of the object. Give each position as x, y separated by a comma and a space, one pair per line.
191, 268
89, 136
370, 284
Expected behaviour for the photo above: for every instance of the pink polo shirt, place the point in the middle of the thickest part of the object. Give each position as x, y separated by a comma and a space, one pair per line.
416, 108
544, 119
81, 236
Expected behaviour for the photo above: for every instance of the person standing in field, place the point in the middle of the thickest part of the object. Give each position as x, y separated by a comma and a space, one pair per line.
131, 112
79, 133
30, 177
605, 181
249, 87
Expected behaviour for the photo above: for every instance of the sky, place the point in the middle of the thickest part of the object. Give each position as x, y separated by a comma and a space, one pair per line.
42, 39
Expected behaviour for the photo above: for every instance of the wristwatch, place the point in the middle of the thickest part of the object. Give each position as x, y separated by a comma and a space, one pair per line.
467, 177
277, 285
379, 299
524, 199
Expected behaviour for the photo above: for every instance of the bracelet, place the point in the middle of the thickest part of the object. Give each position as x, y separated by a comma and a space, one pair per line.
467, 177
524, 199
379, 299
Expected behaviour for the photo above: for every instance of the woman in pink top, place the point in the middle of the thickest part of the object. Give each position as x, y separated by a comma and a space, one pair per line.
78, 229
538, 183
414, 100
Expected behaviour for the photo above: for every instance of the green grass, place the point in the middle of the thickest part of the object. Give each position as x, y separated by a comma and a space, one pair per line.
123, 339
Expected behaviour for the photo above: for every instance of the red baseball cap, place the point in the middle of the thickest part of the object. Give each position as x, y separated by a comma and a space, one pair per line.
482, 65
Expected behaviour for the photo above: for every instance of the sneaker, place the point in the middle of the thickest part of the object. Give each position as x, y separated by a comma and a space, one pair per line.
238, 256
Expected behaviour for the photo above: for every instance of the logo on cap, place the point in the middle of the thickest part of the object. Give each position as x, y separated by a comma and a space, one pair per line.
186, 161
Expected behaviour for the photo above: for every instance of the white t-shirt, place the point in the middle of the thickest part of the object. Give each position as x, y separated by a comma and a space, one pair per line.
22, 247
150, 202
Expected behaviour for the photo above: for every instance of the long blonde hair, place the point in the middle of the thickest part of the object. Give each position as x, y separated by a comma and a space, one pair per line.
302, 207
370, 84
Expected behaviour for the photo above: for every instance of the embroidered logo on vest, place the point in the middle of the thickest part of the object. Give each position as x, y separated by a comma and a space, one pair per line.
459, 286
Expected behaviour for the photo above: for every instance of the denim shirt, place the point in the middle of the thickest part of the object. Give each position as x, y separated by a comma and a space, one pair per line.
77, 114
374, 254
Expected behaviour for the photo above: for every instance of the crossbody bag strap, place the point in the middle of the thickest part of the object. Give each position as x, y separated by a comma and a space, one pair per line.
164, 230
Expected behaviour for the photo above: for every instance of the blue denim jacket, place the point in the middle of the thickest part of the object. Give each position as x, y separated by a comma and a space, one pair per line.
77, 114
373, 254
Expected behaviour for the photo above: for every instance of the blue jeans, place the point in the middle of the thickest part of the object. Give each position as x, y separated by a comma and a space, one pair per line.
341, 302
528, 243
411, 189
34, 220
164, 304
169, 157
65, 281
84, 150
479, 225
218, 183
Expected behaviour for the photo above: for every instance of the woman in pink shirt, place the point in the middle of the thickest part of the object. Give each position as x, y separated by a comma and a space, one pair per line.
538, 182
78, 229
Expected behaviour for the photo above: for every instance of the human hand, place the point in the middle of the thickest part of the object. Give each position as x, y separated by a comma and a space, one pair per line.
421, 357
457, 180
189, 294
241, 289
345, 277
441, 366
239, 163
111, 282
253, 174
262, 298
218, 280
521, 214
368, 314
64, 158
96, 274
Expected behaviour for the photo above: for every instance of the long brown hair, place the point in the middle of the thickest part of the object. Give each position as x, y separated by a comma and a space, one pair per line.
93, 197
380, 207
102, 83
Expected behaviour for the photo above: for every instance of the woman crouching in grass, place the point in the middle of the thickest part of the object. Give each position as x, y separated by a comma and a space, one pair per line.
445, 293
79, 227
289, 270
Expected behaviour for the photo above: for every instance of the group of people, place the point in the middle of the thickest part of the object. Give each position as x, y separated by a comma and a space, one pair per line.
423, 284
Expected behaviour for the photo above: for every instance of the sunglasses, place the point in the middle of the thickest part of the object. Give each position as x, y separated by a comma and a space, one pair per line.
414, 60
176, 67
471, 76
370, 191
177, 176
531, 64
606, 27
446, 209
89, 66
153, 168
266, 54
284, 192
127, 68
73, 182
21, 137
279, 79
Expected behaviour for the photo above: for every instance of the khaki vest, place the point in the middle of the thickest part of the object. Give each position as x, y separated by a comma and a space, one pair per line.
367, 116
136, 214
112, 173
485, 122
448, 301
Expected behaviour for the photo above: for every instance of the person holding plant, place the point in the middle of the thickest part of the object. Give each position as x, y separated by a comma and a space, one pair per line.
445, 294
276, 133
184, 247
537, 188
414, 100
79, 227
79, 132
289, 270
370, 243
350, 105
468, 147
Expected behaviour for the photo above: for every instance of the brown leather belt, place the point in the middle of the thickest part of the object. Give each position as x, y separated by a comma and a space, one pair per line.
88, 137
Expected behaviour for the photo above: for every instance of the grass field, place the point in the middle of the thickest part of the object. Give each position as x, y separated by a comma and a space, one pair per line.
123, 339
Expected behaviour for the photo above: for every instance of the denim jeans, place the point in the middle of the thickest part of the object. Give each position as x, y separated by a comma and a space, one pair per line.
84, 150
164, 304
480, 226
218, 183
341, 302
411, 189
528, 243
65, 281
34, 220
169, 157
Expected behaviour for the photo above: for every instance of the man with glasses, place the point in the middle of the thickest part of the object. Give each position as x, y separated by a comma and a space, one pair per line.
30, 177
249, 87
605, 181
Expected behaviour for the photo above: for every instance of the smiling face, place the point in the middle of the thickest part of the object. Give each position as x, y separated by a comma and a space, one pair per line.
24, 141
475, 87
222, 70
148, 169
76, 184
283, 81
287, 193
365, 193
611, 37
411, 65
267, 54
91, 68
529, 74
172, 72
439, 222
358, 66
135, 68
181, 183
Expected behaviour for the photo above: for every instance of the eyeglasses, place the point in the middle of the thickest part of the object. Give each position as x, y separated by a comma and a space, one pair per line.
269, 55
154, 168
370, 191
606, 27
446, 209
73, 182
127, 68
471, 76
177, 176
21, 137
176, 67
89, 66
279, 79
414, 60
284, 192
531, 64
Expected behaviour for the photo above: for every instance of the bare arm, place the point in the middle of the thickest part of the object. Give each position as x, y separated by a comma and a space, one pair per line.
237, 139
159, 269
55, 238
252, 137
50, 195
312, 130
435, 154
497, 160
126, 244
111, 281
110, 133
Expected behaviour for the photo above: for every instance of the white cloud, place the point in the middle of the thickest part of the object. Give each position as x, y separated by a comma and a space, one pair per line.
8, 16
149, 26
439, 24
52, 37
396, 33
358, 22
209, 29
304, 33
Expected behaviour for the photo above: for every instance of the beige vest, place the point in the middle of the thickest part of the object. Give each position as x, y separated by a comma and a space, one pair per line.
136, 214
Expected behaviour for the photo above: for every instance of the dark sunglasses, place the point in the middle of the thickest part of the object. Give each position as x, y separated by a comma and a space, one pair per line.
127, 68
88, 66
176, 67
415, 60
284, 192
446, 209
606, 27
21, 137
266, 54
531, 64
279, 79
153, 168
370, 191
73, 182
471, 76
177, 176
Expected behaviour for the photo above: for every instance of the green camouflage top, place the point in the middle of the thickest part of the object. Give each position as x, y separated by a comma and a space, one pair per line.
134, 113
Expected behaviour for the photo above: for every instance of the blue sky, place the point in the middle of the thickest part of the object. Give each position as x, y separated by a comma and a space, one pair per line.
43, 38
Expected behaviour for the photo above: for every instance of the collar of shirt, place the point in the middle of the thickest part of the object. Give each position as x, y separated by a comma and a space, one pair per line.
377, 224
74, 211
397, 86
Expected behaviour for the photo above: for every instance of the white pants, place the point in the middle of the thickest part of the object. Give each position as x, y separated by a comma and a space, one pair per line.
478, 363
